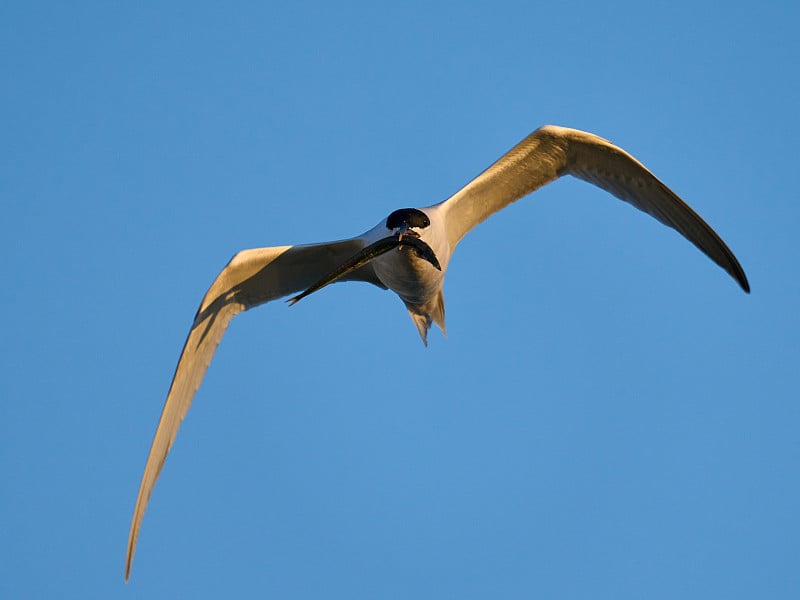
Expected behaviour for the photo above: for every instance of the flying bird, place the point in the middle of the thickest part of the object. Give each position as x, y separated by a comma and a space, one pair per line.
408, 253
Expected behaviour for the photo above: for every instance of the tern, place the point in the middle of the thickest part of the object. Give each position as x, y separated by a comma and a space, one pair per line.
408, 253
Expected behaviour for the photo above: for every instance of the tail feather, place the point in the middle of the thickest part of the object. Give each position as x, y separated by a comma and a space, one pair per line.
424, 315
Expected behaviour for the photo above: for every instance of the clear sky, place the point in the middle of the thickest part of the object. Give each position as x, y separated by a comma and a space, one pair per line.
610, 416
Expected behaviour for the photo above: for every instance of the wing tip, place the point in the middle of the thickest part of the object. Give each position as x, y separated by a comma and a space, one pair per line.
128, 564
743, 283
132, 538
734, 269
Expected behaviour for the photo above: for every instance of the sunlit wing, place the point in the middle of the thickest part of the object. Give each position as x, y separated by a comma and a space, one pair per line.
550, 152
252, 277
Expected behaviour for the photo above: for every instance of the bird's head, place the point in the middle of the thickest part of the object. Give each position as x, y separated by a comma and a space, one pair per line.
407, 221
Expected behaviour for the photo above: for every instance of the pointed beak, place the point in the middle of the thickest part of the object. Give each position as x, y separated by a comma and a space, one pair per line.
404, 229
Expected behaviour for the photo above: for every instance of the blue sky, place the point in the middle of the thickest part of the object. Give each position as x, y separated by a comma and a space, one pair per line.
610, 416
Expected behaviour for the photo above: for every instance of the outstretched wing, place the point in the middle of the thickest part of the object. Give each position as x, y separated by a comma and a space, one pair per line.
252, 277
550, 152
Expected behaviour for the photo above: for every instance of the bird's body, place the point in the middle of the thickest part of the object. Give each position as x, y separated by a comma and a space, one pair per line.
409, 253
415, 280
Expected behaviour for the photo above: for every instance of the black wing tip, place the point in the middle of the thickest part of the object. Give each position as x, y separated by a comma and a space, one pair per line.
745, 285
736, 271
737, 274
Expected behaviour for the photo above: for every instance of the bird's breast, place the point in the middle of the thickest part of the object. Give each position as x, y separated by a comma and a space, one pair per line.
412, 278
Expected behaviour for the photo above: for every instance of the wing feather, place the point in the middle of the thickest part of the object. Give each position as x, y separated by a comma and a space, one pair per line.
251, 278
550, 152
